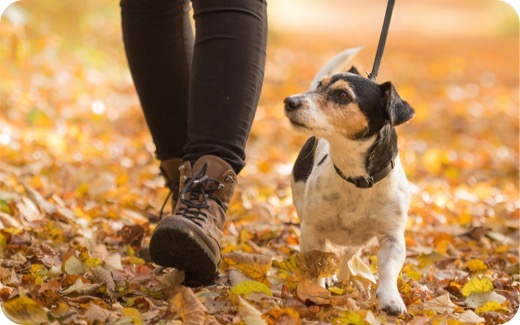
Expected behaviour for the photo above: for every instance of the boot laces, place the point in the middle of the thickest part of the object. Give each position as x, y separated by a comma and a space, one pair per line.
195, 194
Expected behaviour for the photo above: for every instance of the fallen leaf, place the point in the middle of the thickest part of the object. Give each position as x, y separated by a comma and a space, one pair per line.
307, 290
249, 314
477, 299
24, 310
246, 287
132, 313
476, 284
315, 264
358, 268
103, 276
189, 308
253, 266
349, 317
475, 265
469, 317
441, 304
82, 288
488, 306
285, 316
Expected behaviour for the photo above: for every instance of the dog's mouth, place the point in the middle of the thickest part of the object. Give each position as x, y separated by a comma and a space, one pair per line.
297, 124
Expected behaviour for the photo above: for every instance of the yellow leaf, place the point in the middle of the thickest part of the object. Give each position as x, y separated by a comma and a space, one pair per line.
246, 287
24, 310
336, 290
476, 265
287, 264
488, 306
3, 244
476, 285
132, 313
253, 266
350, 317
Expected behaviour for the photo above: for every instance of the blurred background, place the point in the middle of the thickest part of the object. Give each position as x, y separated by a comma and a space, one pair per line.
71, 126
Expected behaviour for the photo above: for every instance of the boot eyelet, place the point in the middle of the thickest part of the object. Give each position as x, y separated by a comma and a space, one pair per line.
229, 178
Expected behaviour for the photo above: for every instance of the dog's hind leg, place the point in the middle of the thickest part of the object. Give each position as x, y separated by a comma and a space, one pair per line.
391, 257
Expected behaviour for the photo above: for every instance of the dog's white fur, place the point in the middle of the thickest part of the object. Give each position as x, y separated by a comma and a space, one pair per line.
334, 211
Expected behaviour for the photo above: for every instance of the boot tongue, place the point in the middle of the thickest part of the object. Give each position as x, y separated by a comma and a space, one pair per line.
210, 165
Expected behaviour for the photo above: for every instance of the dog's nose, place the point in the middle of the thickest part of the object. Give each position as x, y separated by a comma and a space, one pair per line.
291, 103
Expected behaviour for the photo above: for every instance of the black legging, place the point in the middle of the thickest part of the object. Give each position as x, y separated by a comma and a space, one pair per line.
199, 96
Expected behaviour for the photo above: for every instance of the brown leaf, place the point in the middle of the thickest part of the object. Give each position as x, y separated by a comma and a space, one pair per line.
308, 290
132, 235
315, 264
191, 310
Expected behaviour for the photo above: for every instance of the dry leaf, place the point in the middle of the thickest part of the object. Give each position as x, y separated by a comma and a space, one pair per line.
103, 276
308, 290
477, 299
186, 304
285, 316
441, 305
315, 264
249, 314
469, 317
253, 266
82, 288
24, 310
358, 268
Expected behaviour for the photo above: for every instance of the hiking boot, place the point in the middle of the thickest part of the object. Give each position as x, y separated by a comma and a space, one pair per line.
171, 174
190, 239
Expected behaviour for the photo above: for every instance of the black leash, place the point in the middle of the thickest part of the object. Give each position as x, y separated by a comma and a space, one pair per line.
382, 40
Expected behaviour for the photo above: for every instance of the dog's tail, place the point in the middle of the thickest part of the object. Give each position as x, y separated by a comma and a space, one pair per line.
335, 65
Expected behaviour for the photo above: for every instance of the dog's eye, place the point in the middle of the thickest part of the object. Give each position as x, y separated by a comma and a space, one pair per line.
343, 96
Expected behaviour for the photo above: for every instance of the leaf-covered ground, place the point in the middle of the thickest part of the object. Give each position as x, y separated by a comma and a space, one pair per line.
80, 190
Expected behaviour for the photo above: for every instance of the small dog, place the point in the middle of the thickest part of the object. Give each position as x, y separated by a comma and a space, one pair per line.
348, 184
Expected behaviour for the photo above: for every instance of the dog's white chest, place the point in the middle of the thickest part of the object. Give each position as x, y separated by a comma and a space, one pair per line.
349, 216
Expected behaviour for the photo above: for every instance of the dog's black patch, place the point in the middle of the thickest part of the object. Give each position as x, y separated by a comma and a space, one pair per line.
303, 166
382, 151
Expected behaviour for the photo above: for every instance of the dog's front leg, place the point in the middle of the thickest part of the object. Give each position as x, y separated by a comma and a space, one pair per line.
391, 257
310, 240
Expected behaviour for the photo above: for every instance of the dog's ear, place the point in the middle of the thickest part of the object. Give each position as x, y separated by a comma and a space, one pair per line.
354, 70
397, 109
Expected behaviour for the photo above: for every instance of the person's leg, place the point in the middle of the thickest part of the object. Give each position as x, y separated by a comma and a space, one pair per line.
227, 76
225, 84
158, 42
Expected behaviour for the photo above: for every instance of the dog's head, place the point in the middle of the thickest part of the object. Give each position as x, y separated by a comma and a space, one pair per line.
347, 104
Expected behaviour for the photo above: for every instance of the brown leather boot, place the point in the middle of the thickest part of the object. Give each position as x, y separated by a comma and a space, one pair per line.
171, 174
190, 240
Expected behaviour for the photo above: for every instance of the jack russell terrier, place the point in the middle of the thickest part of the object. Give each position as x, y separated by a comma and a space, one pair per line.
348, 184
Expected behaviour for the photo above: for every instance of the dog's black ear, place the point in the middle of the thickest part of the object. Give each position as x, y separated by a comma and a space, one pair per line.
397, 109
354, 70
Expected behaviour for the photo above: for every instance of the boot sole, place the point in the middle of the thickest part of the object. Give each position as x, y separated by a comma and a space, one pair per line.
174, 245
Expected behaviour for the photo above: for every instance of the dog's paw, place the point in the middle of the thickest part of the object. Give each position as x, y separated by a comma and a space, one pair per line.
328, 281
391, 303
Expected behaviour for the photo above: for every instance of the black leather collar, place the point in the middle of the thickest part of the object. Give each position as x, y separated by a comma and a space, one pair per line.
370, 180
